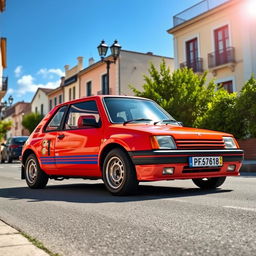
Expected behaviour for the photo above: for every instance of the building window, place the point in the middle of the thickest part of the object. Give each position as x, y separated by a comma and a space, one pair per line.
193, 61
60, 99
55, 101
36, 110
104, 84
50, 105
192, 50
74, 93
227, 85
221, 38
42, 109
70, 93
89, 88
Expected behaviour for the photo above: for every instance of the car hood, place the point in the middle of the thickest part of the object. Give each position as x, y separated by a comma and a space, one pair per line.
178, 132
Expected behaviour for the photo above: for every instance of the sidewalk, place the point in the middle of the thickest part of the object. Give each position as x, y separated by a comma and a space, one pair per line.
12, 243
248, 166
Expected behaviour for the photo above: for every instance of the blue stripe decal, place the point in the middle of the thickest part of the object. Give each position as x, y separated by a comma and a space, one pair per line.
46, 157
71, 162
68, 159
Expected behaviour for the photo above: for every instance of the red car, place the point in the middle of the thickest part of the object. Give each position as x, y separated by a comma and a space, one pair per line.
124, 140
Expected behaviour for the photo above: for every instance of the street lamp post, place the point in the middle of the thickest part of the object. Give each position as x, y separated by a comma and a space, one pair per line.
115, 52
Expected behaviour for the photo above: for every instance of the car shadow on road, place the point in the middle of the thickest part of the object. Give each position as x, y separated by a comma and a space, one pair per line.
97, 193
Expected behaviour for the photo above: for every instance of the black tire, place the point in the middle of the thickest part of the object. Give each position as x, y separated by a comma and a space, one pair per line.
119, 173
2, 159
9, 159
34, 175
209, 183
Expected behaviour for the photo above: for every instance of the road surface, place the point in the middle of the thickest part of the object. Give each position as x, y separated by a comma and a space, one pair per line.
79, 217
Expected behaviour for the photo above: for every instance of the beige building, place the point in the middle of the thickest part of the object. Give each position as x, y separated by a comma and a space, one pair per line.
15, 114
219, 36
3, 59
71, 83
56, 96
129, 69
39, 103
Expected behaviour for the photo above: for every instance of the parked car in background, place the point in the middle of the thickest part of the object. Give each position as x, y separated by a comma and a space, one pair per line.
125, 140
11, 150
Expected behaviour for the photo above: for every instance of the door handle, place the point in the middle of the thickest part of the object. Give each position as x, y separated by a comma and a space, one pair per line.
61, 136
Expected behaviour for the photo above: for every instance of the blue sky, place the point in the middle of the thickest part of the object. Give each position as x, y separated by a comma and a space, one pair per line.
45, 35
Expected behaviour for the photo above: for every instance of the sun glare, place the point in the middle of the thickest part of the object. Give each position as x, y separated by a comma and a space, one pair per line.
251, 8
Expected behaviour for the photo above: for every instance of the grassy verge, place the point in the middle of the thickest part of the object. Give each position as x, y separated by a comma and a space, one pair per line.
39, 244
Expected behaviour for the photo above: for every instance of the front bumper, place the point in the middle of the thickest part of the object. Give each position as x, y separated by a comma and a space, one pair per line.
150, 164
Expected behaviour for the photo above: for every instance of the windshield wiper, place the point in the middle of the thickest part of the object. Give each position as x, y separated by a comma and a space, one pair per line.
166, 121
137, 120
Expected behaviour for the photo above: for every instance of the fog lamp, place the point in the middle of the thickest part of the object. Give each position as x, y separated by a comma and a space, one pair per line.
168, 170
231, 167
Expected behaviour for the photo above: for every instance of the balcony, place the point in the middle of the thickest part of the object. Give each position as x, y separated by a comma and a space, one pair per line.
196, 65
196, 10
218, 59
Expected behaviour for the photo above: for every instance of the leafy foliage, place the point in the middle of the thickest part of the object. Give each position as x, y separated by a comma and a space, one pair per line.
31, 120
182, 93
4, 127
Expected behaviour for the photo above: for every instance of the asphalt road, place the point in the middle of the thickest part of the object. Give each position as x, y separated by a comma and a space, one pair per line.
80, 217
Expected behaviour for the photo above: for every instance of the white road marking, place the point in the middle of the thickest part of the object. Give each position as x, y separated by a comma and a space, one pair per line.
240, 208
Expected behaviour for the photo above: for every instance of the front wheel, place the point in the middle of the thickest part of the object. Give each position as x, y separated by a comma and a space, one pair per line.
34, 175
209, 183
119, 174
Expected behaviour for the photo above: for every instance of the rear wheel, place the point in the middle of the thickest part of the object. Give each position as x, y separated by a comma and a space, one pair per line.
209, 183
34, 175
119, 174
9, 159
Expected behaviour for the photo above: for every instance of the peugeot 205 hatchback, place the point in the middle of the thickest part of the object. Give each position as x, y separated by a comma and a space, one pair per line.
125, 140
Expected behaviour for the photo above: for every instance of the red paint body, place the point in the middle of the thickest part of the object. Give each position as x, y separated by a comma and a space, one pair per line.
80, 152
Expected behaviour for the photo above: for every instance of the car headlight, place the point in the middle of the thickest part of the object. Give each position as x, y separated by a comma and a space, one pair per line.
229, 142
163, 142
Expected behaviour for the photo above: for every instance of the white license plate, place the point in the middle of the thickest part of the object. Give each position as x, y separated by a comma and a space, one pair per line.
205, 161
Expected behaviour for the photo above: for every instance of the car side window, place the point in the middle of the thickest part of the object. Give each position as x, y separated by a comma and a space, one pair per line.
81, 115
55, 123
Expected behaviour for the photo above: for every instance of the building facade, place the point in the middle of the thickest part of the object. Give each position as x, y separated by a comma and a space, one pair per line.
15, 114
129, 69
56, 96
218, 36
71, 83
40, 101
3, 58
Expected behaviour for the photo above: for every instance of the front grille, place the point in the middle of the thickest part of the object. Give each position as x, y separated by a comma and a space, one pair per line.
200, 144
197, 170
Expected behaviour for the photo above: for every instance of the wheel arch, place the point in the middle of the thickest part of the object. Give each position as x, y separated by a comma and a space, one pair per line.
25, 155
107, 149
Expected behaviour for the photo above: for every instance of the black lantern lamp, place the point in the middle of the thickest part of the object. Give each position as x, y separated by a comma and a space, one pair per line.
102, 49
115, 50
10, 100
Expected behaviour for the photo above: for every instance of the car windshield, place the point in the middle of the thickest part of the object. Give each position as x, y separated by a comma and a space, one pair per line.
123, 110
19, 141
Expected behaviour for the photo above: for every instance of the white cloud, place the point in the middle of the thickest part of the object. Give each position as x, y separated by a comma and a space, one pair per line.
10, 91
48, 73
18, 71
27, 85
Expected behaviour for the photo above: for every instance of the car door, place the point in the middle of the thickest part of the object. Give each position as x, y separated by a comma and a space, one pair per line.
46, 145
77, 145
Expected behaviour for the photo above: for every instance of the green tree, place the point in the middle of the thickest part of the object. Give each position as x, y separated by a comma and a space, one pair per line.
246, 105
31, 120
184, 94
4, 127
223, 115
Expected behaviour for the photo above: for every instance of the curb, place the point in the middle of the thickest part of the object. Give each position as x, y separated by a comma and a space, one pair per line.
12, 243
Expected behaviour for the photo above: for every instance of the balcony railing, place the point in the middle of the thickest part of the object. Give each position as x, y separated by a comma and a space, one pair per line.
221, 57
4, 84
196, 65
196, 10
